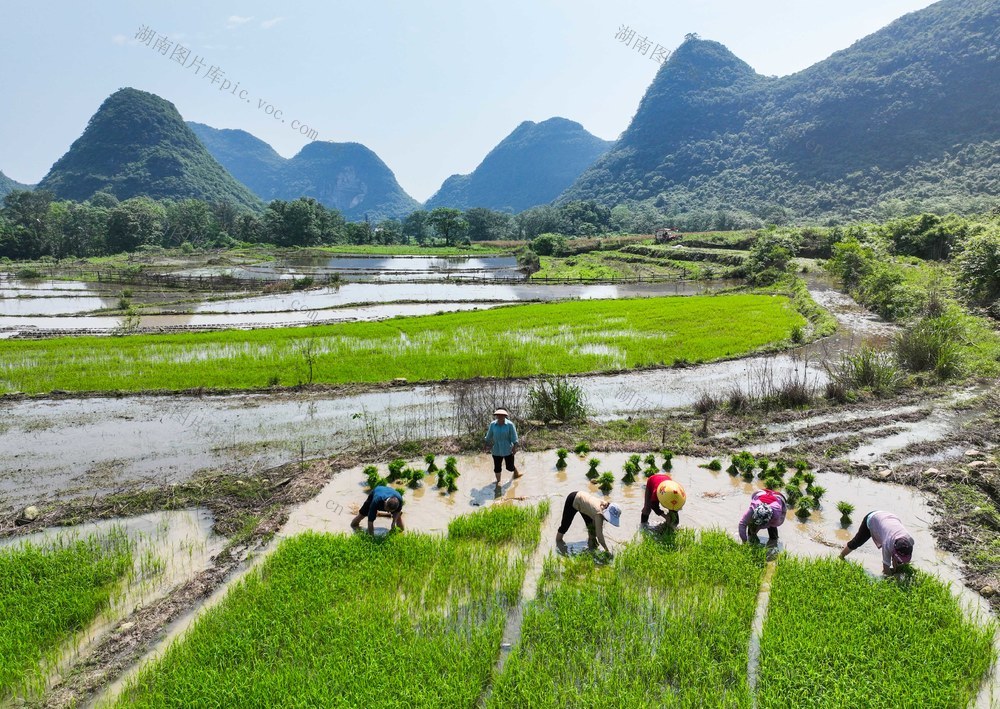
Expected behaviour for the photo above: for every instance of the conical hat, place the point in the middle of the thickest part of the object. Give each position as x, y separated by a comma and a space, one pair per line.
671, 495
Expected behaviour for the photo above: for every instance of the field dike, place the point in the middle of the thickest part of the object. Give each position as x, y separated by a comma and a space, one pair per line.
715, 500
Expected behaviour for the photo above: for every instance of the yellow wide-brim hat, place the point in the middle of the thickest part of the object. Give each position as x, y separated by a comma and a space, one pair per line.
671, 495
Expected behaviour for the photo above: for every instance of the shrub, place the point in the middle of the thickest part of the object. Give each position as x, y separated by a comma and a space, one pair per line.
557, 398
549, 244
932, 345
27, 274
867, 368
979, 268
705, 404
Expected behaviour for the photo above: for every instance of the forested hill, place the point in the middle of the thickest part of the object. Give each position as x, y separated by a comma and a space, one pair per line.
529, 167
138, 144
906, 119
345, 176
8, 185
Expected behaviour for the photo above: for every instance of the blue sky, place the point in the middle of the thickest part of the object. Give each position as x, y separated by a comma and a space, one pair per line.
429, 86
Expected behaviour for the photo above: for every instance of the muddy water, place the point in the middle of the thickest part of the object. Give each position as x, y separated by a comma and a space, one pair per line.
170, 549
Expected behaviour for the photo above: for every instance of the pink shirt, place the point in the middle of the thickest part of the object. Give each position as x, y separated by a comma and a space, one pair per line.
777, 503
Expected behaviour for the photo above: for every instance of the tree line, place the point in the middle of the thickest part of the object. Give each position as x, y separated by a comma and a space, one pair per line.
34, 224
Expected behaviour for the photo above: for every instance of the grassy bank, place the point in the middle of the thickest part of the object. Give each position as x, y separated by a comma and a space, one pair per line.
408, 620
668, 624
834, 636
46, 595
555, 338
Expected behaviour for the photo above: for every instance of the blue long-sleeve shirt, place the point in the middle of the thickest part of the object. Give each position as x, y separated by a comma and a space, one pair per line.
502, 438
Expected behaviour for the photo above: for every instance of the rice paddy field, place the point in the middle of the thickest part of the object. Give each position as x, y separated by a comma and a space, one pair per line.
333, 620
48, 593
667, 624
417, 620
551, 338
837, 637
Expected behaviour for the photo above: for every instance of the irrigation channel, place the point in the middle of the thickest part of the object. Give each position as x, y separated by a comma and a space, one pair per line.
714, 500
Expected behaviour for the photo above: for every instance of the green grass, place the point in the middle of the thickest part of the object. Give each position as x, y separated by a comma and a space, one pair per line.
602, 265
667, 624
551, 338
47, 593
406, 620
837, 637
502, 524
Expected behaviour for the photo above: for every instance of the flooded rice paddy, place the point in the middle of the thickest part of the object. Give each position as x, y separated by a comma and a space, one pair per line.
714, 500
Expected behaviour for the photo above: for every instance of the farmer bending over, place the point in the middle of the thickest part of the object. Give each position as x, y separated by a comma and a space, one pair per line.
382, 499
767, 509
501, 441
594, 512
889, 535
663, 490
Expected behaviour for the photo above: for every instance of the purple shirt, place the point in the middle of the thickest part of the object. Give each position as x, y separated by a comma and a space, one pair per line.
777, 503
886, 528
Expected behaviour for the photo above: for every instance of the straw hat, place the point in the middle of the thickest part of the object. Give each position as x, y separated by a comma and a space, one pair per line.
501, 412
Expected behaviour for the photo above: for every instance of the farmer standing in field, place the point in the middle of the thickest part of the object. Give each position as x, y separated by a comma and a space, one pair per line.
889, 535
382, 499
501, 441
661, 489
767, 509
594, 512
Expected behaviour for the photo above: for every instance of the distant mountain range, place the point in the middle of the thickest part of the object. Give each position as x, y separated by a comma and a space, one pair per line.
8, 185
346, 176
531, 166
905, 119
137, 144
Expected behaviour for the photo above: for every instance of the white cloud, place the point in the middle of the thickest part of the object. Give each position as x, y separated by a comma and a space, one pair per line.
236, 21
119, 39
268, 24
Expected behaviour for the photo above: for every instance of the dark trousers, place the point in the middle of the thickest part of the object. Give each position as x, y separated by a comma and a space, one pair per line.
863, 535
569, 512
508, 459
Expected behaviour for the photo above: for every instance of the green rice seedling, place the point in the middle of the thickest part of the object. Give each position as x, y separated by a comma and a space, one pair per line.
594, 464
431, 465
406, 620
561, 458
801, 465
803, 507
415, 478
763, 464
452, 485
816, 492
668, 460
743, 463
629, 477
635, 460
648, 331
582, 448
451, 466
606, 481
396, 468
793, 494
808, 478
779, 469
373, 479
443, 480
714, 465
772, 483
666, 624
650, 461
846, 509
835, 637
47, 594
